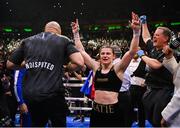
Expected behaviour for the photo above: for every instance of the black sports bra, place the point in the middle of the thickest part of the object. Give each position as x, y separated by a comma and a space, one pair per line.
108, 81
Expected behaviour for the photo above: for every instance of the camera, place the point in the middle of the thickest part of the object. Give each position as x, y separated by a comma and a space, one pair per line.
175, 41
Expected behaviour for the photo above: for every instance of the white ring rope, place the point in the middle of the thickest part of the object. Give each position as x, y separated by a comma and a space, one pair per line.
80, 108
75, 79
73, 85
85, 99
77, 99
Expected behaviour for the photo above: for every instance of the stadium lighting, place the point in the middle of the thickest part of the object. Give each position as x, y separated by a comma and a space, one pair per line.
7, 30
27, 29
175, 23
114, 27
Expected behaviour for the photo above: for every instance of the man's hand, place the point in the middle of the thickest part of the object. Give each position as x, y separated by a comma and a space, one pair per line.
23, 108
163, 123
167, 51
66, 75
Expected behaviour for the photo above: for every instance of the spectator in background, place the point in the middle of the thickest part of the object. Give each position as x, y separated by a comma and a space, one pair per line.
137, 89
8, 103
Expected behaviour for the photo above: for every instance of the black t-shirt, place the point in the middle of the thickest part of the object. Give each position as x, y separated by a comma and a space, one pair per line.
44, 56
158, 78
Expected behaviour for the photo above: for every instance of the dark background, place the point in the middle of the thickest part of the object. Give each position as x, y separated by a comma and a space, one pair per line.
35, 13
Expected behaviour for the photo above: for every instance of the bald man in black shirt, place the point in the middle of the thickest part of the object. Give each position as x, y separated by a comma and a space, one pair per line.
44, 55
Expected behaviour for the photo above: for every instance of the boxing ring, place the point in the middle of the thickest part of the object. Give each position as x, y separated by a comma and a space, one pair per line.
79, 105
73, 94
